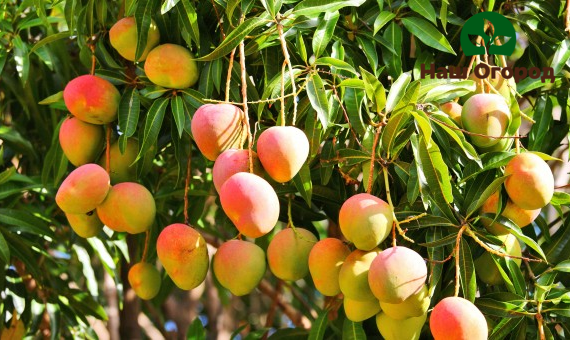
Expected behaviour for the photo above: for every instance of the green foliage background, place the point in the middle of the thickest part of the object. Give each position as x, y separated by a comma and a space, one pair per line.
356, 64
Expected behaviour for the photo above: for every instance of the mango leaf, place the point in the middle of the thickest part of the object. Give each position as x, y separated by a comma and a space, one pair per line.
312, 7
129, 110
374, 90
196, 330
467, 272
152, 125
177, 105
397, 91
337, 63
234, 38
423, 8
504, 328
190, 20
319, 327
561, 56
324, 32
143, 17
435, 254
303, 183
318, 97
382, 19
393, 35
428, 34
4, 250
352, 330
272, 6
395, 126
353, 102
490, 190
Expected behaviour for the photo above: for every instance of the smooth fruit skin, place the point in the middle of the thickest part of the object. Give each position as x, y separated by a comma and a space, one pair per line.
232, 161
513, 212
83, 190
486, 114
353, 275
128, 207
282, 151
92, 99
396, 274
530, 184
414, 306
288, 253
85, 225
391, 329
250, 203
504, 144
171, 66
358, 311
455, 318
145, 280
217, 127
453, 110
183, 254
325, 260
365, 220
81, 142
502, 85
486, 268
120, 168
123, 37
239, 266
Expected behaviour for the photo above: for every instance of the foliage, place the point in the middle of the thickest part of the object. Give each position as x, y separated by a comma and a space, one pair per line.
356, 68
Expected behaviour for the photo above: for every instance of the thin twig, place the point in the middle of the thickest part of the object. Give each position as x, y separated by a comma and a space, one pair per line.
187, 185
229, 77
288, 61
396, 224
372, 160
282, 112
273, 307
146, 242
245, 108
457, 249
495, 252
108, 149
219, 20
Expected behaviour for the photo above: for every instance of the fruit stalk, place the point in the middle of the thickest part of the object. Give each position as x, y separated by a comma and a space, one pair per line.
108, 149
396, 225
457, 249
288, 61
229, 77
244, 101
187, 185
282, 99
146, 242
372, 159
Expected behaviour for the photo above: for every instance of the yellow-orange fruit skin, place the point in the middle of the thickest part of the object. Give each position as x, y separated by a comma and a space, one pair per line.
358, 311
183, 254
239, 266
325, 260
250, 203
453, 110
502, 85
83, 189
92, 99
120, 169
396, 274
486, 268
171, 66
365, 220
530, 184
145, 280
282, 151
217, 127
414, 306
504, 144
128, 207
123, 37
392, 329
486, 114
288, 253
353, 275
519, 216
85, 225
232, 161
81, 142
455, 318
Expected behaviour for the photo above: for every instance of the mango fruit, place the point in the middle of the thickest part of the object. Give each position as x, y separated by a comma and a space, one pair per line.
171, 66
414, 306
250, 203
145, 280
92, 99
282, 151
513, 212
455, 318
85, 225
81, 142
123, 37
120, 169
486, 114
353, 275
486, 268
453, 110
392, 329
239, 266
358, 311
530, 184
83, 189
325, 260
288, 253
184, 255
232, 161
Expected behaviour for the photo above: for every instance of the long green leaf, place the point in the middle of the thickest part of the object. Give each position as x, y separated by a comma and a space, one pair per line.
324, 32
423, 8
129, 110
427, 33
152, 125
312, 7
318, 97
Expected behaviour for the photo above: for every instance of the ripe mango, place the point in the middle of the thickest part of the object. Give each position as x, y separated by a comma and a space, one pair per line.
455, 318
123, 37
519, 216
120, 168
282, 151
250, 203
81, 142
365, 220
353, 275
414, 306
83, 190
171, 66
92, 99
392, 329
288, 253
396, 274
325, 260
145, 280
85, 225
183, 254
239, 266
486, 268
486, 114
217, 127
453, 110
128, 207
530, 184
358, 311
232, 161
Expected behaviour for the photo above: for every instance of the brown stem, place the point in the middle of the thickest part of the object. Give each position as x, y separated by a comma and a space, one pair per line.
108, 149
219, 19
146, 242
457, 249
245, 108
540, 321
372, 159
396, 224
288, 61
472, 133
495, 252
294, 315
229, 77
93, 59
346, 117
282, 112
187, 185
273, 307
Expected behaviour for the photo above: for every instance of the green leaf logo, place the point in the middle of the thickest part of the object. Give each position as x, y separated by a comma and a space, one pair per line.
476, 26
